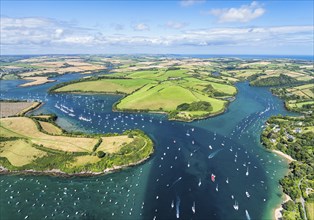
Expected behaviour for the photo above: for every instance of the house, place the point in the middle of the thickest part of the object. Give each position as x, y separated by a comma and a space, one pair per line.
298, 130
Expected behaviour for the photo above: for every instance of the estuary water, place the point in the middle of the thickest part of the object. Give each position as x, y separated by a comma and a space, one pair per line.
208, 169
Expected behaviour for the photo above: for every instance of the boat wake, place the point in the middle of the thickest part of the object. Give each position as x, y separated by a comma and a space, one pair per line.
212, 155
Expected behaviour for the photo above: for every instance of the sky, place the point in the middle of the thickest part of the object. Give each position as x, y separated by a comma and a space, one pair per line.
282, 27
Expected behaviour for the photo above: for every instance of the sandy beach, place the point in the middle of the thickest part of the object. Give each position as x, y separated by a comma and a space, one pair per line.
286, 156
278, 214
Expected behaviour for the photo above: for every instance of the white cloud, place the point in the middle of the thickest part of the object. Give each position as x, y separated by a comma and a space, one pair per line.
141, 27
41, 33
245, 13
175, 25
187, 3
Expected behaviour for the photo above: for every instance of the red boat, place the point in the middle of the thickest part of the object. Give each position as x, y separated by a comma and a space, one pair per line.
213, 177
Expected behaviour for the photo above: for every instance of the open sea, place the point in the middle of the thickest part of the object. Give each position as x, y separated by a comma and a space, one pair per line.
176, 183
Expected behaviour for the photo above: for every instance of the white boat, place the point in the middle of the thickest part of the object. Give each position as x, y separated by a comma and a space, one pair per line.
172, 204
193, 207
236, 205
217, 188
84, 119
199, 182
247, 171
247, 194
210, 147
227, 181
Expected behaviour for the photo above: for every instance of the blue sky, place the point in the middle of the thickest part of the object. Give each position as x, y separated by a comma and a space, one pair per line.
177, 27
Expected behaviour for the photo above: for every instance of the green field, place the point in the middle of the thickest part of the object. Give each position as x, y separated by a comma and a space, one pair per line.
125, 86
160, 90
26, 147
165, 97
310, 210
19, 152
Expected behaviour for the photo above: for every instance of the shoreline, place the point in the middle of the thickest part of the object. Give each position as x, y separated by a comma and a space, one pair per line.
36, 82
278, 210
59, 173
285, 156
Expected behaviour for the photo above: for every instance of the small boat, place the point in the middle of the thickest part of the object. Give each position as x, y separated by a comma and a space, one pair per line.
217, 188
247, 194
210, 147
172, 204
213, 177
236, 205
227, 181
247, 171
199, 182
193, 207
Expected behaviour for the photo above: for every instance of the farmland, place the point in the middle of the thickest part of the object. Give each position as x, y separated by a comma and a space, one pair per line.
160, 90
12, 108
41, 146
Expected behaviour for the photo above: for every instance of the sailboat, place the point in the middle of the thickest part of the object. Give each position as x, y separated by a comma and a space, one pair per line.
236, 205
247, 194
199, 182
193, 207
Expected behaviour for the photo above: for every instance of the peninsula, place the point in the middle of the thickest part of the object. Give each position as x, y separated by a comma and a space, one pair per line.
41, 146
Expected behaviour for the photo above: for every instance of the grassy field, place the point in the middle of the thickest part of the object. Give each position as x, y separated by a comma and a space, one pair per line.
165, 97
19, 152
293, 104
310, 210
50, 128
159, 90
86, 159
30, 131
304, 91
25, 147
125, 86
114, 144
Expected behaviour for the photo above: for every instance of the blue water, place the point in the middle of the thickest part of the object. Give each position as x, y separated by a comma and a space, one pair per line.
179, 170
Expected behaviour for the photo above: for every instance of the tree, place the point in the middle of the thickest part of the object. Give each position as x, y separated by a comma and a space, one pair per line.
289, 206
100, 154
